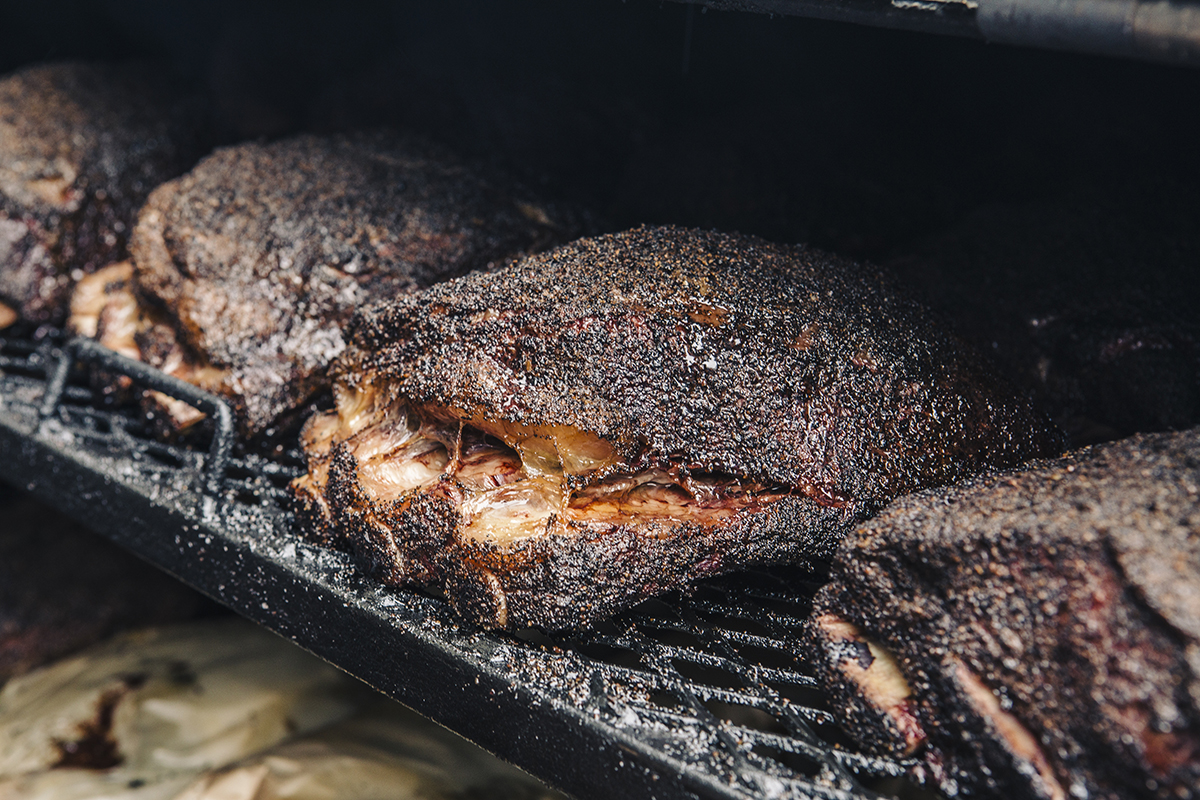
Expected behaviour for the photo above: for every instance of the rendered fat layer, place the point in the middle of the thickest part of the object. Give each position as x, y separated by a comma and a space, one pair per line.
875, 671
104, 307
516, 481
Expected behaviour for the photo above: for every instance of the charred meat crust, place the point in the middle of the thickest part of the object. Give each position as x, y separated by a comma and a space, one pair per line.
1044, 620
81, 147
1089, 299
766, 397
781, 364
260, 254
578, 573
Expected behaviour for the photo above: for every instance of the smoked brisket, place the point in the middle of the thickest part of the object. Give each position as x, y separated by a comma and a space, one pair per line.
552, 441
246, 269
81, 147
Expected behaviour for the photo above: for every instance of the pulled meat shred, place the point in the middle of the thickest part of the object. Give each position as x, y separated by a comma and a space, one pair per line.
516, 480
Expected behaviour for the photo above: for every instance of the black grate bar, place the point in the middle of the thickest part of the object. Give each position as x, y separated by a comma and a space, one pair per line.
91, 352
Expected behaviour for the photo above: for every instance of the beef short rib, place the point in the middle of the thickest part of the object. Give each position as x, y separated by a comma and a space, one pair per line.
1033, 633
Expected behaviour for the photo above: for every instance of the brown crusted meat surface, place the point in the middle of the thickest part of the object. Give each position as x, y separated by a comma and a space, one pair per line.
1032, 633
249, 265
81, 146
622, 415
62, 587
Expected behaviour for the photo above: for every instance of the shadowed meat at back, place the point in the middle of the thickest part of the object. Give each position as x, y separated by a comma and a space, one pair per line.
81, 147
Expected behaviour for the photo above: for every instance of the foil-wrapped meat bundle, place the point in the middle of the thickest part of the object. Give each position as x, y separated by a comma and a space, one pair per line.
81, 147
246, 269
1032, 633
226, 710
552, 441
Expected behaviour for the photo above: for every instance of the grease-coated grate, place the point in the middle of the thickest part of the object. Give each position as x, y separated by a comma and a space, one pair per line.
707, 695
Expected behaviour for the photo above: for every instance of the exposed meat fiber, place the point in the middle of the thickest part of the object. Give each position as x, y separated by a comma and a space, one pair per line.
589, 427
1032, 633
81, 147
246, 269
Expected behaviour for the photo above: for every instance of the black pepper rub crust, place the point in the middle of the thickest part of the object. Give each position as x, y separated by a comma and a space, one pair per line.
81, 147
775, 363
761, 398
1045, 625
248, 267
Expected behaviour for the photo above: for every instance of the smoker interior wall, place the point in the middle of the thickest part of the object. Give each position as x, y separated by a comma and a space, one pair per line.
857, 139
935, 155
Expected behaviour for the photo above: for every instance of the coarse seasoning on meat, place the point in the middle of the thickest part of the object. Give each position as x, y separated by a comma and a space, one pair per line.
1030, 634
81, 147
246, 269
558, 439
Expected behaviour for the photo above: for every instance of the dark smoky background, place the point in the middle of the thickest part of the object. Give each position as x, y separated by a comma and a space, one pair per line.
1046, 203
857, 139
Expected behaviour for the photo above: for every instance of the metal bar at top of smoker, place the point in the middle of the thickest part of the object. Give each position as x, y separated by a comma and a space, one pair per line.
1156, 31
953, 17
1152, 30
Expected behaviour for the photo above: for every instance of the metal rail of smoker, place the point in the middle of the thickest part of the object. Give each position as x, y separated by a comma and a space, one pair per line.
1166, 31
706, 696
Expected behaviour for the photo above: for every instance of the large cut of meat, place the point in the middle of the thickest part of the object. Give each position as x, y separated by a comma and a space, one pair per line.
81, 147
1034, 633
246, 269
555, 440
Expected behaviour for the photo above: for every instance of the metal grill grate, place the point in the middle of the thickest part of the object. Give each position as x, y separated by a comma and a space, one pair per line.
707, 695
